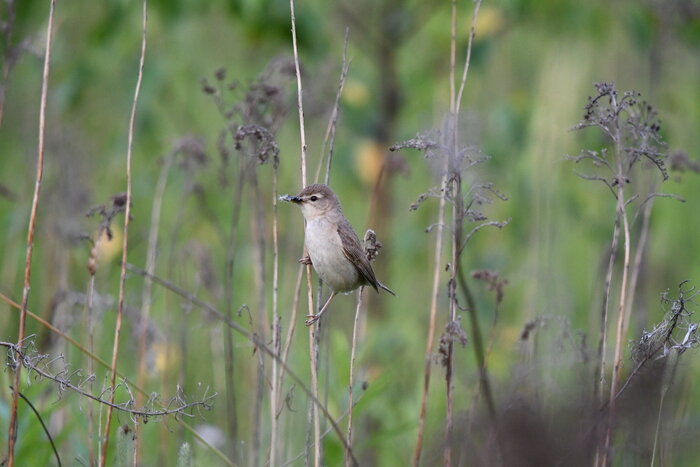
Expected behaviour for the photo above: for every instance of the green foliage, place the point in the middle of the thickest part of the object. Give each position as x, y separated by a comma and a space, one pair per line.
531, 73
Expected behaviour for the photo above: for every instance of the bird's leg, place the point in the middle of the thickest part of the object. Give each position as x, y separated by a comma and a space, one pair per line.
305, 260
311, 319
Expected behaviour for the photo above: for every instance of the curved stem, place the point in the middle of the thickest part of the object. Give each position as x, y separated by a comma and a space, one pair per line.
125, 243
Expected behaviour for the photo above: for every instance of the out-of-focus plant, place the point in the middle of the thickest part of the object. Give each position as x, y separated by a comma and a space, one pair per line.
632, 143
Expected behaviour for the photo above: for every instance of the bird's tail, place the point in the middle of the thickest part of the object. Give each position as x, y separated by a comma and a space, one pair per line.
382, 286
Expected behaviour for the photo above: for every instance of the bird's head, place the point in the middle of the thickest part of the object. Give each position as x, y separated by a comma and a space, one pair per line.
315, 200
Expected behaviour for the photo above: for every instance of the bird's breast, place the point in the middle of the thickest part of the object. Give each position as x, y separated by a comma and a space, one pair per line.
326, 252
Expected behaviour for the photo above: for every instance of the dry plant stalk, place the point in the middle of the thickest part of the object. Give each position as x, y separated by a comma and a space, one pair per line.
457, 208
455, 102
12, 429
632, 129
328, 143
310, 299
329, 137
275, 384
348, 457
125, 244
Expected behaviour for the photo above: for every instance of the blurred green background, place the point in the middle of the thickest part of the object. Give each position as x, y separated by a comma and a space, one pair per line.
533, 67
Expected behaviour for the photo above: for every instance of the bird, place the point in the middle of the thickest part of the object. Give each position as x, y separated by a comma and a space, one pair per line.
332, 245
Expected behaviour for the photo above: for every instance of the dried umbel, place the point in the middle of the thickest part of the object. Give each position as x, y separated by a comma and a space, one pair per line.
633, 129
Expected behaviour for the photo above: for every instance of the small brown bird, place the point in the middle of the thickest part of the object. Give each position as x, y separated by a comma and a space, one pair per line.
334, 249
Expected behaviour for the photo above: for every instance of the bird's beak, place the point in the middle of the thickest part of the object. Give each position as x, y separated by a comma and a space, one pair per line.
291, 199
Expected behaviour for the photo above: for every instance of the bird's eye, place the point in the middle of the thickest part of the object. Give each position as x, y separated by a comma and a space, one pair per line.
314, 198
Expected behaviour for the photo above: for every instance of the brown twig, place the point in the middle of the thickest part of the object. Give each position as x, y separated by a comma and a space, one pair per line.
12, 429
125, 244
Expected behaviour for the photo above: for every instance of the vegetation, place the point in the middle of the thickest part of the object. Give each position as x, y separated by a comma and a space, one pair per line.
545, 277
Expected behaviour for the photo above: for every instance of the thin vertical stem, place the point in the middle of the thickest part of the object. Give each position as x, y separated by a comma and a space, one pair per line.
437, 267
452, 125
90, 365
622, 218
125, 244
12, 429
275, 384
313, 412
257, 230
465, 71
452, 309
229, 348
329, 138
621, 324
146, 296
602, 340
292, 321
310, 298
348, 458
453, 56
300, 103
455, 103
639, 253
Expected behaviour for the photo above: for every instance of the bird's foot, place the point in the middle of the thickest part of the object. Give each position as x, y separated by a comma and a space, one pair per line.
311, 319
305, 260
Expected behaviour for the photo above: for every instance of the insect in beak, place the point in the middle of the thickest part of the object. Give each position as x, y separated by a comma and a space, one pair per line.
291, 199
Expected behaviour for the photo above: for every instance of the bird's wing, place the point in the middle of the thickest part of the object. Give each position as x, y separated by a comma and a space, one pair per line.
353, 251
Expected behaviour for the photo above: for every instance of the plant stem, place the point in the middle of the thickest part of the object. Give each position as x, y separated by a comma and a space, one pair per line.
437, 267
622, 309
275, 384
352, 369
12, 429
146, 296
125, 242
602, 340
